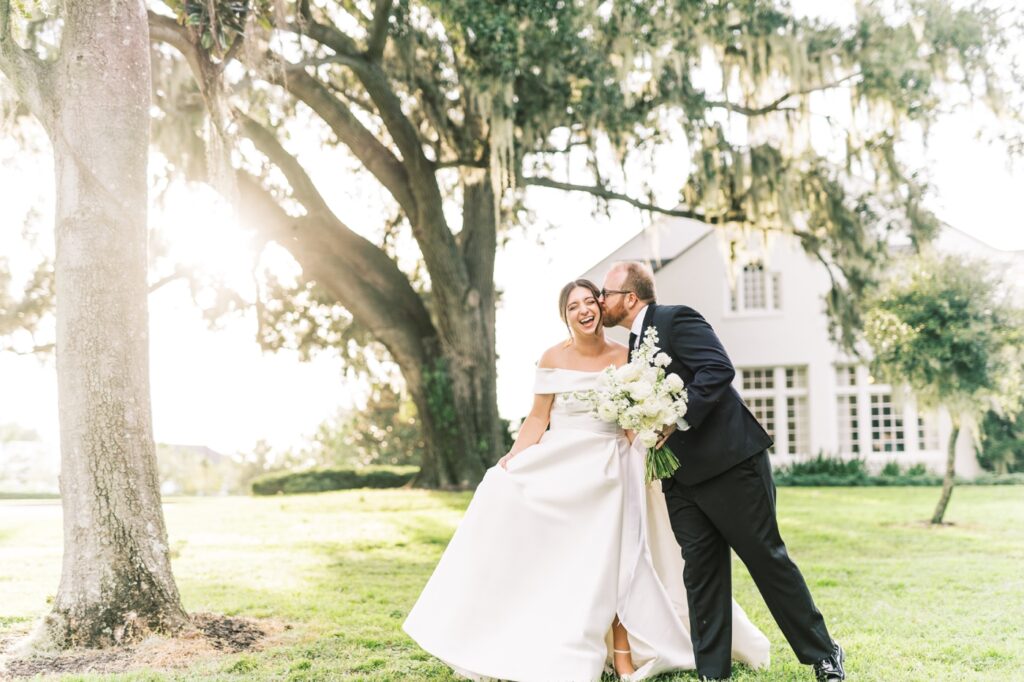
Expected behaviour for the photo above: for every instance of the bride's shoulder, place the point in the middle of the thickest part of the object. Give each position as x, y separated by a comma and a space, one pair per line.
618, 353
553, 357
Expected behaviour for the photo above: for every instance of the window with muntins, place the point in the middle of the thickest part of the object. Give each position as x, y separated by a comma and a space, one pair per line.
757, 290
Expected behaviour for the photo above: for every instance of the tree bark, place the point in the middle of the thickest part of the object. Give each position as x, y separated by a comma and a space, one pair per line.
116, 582
947, 481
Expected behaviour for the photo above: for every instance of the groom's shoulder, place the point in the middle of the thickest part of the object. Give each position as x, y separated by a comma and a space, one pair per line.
671, 312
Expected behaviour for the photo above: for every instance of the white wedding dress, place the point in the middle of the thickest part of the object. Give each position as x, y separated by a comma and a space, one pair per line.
551, 550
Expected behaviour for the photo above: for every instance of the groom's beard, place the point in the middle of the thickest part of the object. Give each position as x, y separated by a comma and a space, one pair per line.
613, 317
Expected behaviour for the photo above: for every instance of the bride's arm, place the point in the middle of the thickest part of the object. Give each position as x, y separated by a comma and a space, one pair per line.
534, 426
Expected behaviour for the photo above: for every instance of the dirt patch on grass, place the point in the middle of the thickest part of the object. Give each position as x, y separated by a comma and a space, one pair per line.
214, 635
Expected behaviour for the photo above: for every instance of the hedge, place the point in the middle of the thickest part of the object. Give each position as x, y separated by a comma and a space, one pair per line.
323, 480
829, 480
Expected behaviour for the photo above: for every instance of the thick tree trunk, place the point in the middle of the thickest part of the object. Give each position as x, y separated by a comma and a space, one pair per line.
461, 388
947, 481
116, 581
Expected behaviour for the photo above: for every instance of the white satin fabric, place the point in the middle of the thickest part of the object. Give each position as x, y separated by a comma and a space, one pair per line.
551, 550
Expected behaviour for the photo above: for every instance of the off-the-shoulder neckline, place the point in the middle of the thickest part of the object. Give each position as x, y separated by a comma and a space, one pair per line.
578, 371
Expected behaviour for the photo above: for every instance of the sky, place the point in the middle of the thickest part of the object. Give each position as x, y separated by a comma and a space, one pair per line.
217, 388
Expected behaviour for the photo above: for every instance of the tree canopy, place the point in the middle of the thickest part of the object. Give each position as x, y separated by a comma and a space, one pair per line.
458, 109
945, 327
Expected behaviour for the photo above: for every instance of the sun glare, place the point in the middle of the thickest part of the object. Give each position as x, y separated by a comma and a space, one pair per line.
195, 228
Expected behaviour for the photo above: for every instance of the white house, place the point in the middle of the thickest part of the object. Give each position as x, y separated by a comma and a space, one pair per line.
810, 396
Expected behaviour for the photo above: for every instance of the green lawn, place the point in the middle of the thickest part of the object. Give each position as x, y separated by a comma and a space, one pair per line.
907, 601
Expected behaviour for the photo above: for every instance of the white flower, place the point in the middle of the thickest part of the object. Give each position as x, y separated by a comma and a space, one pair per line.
654, 406
674, 383
662, 360
628, 372
640, 390
648, 438
607, 411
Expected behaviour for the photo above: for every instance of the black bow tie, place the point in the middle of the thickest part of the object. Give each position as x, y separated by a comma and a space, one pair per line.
632, 341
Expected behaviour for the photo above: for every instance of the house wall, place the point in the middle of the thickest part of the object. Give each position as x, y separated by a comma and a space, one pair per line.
794, 336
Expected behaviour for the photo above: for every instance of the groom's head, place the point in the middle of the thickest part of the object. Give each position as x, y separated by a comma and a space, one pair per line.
628, 287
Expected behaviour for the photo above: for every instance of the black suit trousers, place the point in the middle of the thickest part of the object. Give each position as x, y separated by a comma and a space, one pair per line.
737, 509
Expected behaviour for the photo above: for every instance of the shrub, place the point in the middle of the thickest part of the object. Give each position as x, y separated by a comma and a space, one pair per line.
323, 480
917, 470
892, 469
824, 470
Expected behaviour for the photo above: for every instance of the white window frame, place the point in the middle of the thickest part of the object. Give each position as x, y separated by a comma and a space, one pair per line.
735, 303
912, 422
779, 395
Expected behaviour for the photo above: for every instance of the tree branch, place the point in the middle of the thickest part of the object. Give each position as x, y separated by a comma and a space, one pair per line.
164, 281
27, 73
429, 225
605, 193
302, 185
776, 104
376, 157
461, 163
379, 32
166, 30
356, 272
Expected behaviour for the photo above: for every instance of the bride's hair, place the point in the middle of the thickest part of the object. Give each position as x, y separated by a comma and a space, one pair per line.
563, 301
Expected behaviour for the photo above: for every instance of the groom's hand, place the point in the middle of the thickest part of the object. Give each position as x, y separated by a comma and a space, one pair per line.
665, 436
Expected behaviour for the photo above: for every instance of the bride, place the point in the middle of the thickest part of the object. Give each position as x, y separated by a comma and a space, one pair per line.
565, 561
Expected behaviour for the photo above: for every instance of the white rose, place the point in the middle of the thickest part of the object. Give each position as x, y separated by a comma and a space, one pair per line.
648, 438
662, 360
674, 383
654, 407
639, 390
627, 373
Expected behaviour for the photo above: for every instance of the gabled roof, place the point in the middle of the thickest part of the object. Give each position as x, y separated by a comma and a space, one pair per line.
658, 244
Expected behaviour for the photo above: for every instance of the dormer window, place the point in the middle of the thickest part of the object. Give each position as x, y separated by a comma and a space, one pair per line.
756, 290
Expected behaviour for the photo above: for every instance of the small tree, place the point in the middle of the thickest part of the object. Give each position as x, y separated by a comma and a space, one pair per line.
945, 327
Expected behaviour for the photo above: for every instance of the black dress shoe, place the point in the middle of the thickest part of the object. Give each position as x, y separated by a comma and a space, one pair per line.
831, 669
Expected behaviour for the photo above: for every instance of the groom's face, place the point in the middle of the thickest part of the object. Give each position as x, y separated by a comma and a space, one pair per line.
615, 305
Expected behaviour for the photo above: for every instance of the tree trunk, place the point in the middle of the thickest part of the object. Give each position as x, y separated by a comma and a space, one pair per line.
116, 581
947, 482
456, 393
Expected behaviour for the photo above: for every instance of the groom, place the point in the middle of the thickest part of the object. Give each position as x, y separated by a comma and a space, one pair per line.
722, 495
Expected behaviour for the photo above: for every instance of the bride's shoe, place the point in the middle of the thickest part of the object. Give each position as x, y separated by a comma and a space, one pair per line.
624, 677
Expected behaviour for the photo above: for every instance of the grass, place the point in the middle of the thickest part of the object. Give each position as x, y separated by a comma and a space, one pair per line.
908, 602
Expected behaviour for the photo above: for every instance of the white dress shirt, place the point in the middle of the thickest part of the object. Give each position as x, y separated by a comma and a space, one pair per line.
638, 326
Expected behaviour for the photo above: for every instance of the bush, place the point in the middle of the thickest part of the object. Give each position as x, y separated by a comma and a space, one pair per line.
831, 471
917, 470
999, 479
323, 480
823, 471
892, 469
823, 465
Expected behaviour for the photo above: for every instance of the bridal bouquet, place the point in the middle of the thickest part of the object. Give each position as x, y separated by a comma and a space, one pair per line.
640, 397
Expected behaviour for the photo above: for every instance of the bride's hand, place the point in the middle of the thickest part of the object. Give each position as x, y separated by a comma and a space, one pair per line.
503, 462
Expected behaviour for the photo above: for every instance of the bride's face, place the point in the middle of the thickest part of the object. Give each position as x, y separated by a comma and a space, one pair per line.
583, 312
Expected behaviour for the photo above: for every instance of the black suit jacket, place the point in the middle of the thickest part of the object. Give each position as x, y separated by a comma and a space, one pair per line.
722, 430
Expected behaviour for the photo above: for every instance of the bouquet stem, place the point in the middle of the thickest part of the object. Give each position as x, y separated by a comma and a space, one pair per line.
661, 463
